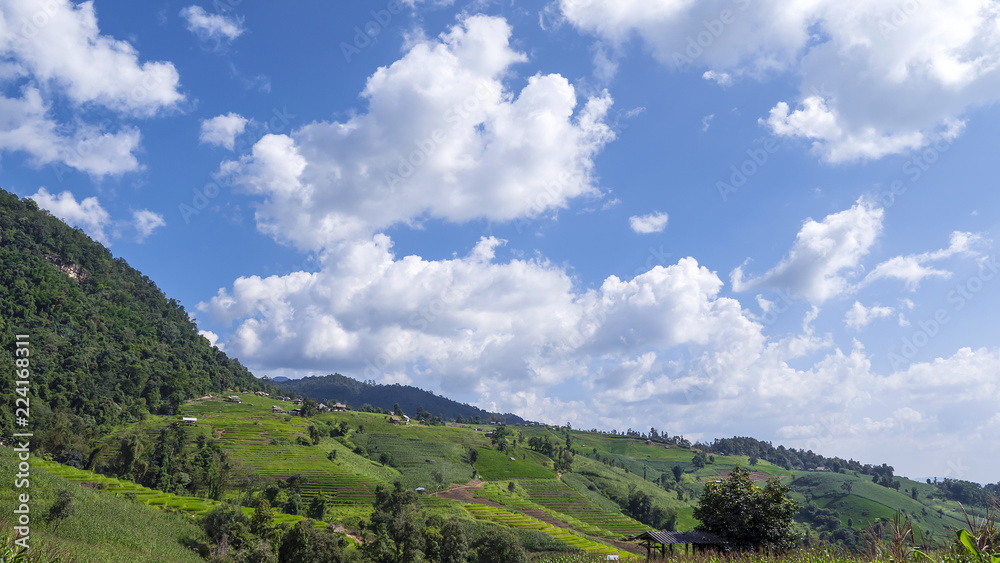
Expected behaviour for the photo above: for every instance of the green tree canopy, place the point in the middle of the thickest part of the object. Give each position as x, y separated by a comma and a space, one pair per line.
746, 516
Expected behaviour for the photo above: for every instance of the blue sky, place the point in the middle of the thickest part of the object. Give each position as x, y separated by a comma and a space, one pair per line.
720, 218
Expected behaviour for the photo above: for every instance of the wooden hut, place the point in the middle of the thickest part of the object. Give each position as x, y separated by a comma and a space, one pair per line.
695, 541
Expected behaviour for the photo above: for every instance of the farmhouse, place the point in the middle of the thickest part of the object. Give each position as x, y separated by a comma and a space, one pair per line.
339, 407
189, 420
233, 399
395, 420
276, 408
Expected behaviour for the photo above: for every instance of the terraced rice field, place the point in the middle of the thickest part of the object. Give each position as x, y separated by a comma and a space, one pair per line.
145, 495
559, 497
516, 520
416, 459
280, 462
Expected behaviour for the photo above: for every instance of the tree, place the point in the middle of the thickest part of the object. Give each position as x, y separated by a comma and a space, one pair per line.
473, 455
699, 460
847, 486
500, 546
746, 516
438, 478
263, 517
317, 508
454, 543
61, 509
499, 438
677, 473
395, 530
227, 520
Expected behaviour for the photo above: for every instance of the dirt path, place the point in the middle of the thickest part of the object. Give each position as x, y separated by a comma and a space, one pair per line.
464, 493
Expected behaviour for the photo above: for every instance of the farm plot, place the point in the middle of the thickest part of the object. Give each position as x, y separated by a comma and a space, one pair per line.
417, 459
281, 462
515, 520
559, 497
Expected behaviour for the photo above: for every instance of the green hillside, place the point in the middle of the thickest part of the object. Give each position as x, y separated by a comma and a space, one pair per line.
107, 347
614, 486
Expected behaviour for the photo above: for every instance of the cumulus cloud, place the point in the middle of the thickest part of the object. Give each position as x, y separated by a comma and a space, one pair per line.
86, 214
26, 125
824, 258
60, 45
215, 27
467, 320
650, 223
914, 268
146, 221
831, 141
858, 316
222, 130
55, 48
877, 77
442, 138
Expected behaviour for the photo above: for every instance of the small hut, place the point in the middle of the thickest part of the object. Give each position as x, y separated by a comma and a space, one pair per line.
691, 540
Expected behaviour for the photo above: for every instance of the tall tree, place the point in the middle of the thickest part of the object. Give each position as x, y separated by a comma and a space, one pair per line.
746, 516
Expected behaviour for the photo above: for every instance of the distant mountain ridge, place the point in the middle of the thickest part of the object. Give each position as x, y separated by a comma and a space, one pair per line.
354, 393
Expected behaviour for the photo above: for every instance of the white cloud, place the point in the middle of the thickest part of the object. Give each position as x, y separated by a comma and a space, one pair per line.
222, 130
441, 138
58, 42
212, 26
213, 339
832, 142
146, 221
87, 214
649, 223
826, 254
720, 78
914, 268
466, 322
25, 125
55, 49
877, 77
859, 316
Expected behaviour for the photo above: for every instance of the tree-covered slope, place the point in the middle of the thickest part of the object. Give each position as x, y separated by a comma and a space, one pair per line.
107, 347
356, 393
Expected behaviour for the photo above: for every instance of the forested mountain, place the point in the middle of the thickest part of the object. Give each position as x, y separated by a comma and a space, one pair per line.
107, 347
356, 393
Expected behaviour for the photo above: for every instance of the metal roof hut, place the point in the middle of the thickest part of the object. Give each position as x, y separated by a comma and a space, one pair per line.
700, 540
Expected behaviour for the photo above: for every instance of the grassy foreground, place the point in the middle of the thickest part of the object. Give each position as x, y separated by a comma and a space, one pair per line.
103, 527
